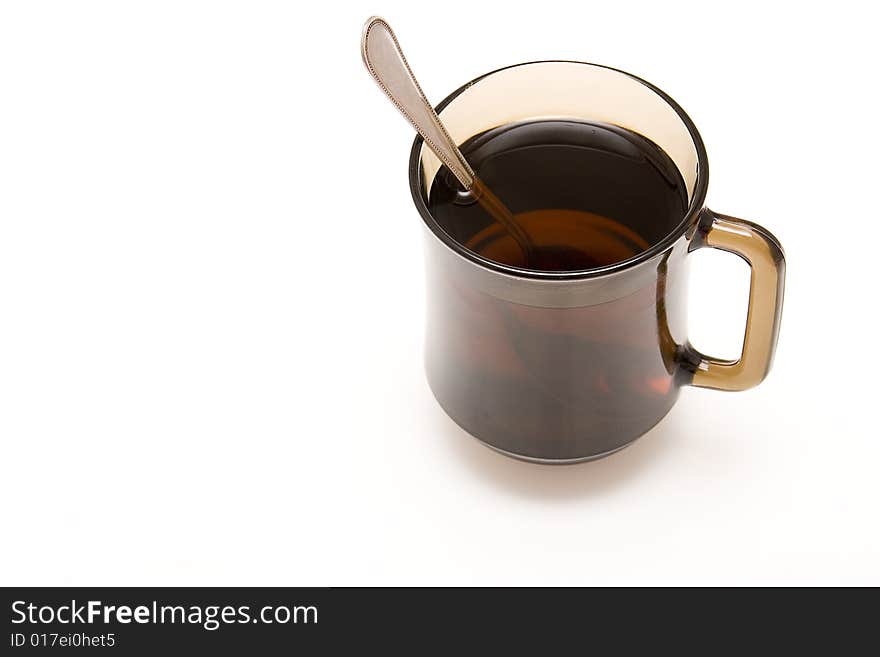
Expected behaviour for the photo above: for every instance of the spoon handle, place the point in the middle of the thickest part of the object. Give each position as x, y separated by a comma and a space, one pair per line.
385, 61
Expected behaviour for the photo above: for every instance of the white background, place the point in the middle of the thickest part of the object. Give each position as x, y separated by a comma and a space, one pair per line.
211, 305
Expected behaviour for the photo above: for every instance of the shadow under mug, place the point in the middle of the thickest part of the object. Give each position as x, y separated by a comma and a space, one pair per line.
561, 367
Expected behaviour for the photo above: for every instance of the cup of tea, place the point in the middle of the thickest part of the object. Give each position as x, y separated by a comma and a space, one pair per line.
573, 353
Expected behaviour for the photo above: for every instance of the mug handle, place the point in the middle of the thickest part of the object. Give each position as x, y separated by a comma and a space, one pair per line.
758, 247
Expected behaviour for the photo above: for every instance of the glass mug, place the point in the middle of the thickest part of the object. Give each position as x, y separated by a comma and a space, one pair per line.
562, 367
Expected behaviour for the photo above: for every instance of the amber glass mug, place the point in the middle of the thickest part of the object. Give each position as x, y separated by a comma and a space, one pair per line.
561, 367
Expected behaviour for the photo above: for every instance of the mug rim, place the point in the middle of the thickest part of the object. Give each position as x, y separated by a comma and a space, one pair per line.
690, 216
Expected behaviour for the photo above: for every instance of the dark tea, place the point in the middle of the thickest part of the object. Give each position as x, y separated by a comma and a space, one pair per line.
587, 194
556, 383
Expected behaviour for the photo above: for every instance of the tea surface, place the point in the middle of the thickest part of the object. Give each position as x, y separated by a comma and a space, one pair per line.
588, 194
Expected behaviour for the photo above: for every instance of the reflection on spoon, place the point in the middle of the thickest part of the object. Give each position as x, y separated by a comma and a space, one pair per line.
385, 61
